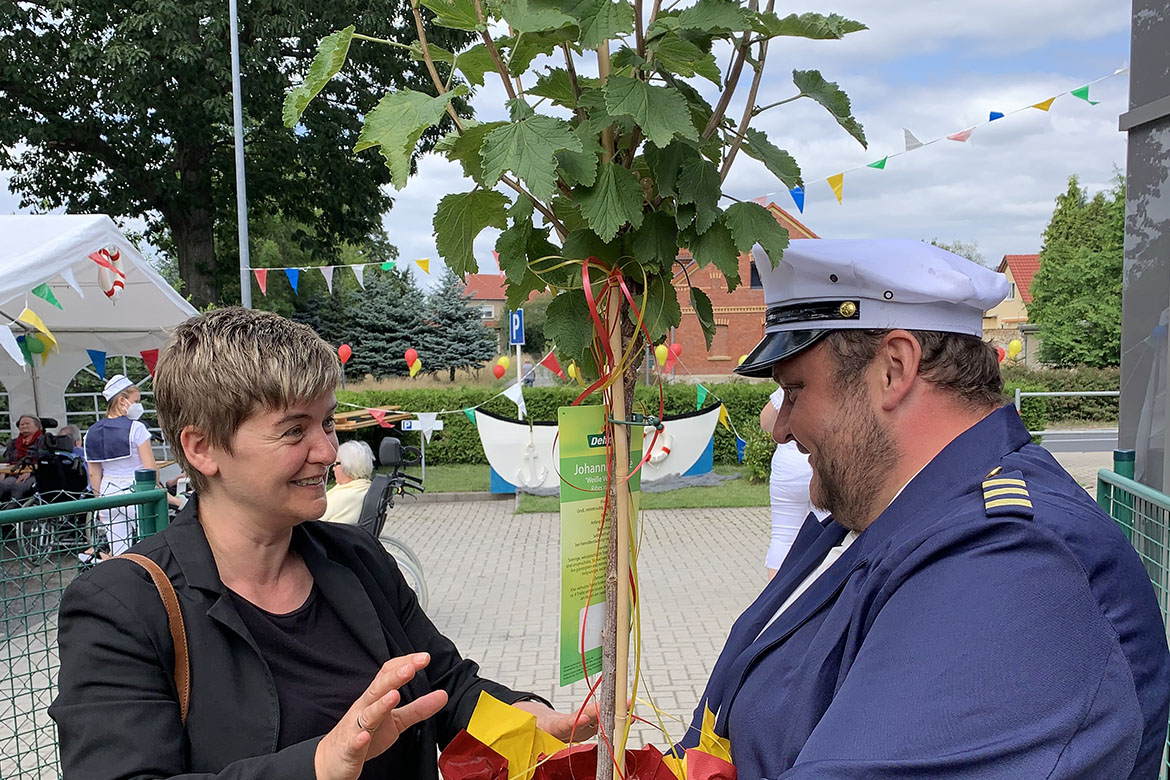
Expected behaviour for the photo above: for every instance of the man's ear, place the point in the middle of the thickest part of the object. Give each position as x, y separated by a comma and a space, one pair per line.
898, 358
200, 452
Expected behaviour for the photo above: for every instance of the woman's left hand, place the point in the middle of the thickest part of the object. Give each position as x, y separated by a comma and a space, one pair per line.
561, 724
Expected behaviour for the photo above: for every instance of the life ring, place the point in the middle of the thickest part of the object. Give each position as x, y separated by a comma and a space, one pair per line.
111, 277
660, 450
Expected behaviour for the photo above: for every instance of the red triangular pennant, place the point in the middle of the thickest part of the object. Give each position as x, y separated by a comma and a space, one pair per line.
550, 362
262, 279
150, 357
380, 416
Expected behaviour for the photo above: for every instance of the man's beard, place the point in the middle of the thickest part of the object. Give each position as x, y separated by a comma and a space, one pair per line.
852, 464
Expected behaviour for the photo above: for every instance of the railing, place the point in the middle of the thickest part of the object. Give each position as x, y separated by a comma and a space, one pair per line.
38, 559
1144, 515
1021, 394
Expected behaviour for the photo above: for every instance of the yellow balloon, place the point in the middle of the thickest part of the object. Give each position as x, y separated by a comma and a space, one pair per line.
572, 370
415, 366
504, 361
741, 359
1015, 347
661, 353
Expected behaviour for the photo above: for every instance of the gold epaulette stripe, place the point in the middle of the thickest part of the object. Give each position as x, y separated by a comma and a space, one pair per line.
1003, 481
994, 471
1006, 491
1022, 502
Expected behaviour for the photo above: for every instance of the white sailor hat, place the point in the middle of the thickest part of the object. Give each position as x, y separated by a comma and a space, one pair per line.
114, 385
821, 285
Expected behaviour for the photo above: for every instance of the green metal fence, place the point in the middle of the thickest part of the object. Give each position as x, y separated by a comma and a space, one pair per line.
38, 559
1144, 515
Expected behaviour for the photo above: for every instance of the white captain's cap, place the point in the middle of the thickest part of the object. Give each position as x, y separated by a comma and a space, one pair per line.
116, 384
821, 285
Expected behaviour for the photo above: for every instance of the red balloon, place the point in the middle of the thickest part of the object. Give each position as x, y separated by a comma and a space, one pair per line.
343, 352
498, 370
676, 349
1000, 353
411, 355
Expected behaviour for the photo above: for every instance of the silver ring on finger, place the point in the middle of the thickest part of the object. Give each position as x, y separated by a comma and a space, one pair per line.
361, 726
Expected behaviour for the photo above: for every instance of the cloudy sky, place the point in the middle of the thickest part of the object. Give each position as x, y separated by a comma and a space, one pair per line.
933, 66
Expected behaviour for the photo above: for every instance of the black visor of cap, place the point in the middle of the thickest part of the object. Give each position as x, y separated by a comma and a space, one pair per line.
775, 347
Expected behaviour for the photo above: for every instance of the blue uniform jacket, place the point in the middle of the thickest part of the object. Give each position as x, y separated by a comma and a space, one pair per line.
962, 636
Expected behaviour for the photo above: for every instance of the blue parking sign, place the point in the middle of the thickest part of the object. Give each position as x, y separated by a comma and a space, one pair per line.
516, 327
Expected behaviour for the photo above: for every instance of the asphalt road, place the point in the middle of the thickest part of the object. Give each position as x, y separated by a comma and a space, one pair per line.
1080, 441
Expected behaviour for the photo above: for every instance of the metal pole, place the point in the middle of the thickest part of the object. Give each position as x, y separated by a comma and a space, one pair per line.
241, 188
519, 366
1017, 400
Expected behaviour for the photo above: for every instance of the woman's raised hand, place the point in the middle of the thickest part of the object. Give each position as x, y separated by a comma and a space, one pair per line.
375, 720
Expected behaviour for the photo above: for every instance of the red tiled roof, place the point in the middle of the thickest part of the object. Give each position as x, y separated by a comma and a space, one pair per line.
485, 287
1023, 268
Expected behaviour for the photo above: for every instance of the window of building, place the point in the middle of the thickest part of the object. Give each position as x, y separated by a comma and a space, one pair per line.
1011, 291
720, 344
486, 312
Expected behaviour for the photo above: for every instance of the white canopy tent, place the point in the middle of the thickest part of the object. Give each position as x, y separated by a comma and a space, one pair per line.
54, 250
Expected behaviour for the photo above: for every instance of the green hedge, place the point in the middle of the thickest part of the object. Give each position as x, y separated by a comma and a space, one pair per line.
1070, 379
1033, 411
459, 442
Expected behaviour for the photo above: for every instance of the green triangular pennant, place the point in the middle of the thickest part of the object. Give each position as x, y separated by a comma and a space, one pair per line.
1083, 94
700, 396
387, 266
470, 415
880, 164
43, 291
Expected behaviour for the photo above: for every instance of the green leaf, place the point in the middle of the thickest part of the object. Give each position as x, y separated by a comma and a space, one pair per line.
459, 218
396, 123
532, 17
660, 309
701, 303
474, 63
812, 84
657, 241
331, 54
567, 323
714, 16
751, 223
581, 244
465, 148
527, 148
523, 49
518, 109
665, 164
625, 60
578, 168
716, 247
779, 162
454, 14
613, 201
512, 245
598, 116
557, 87
569, 213
684, 215
684, 58
809, 25
698, 183
661, 112
600, 20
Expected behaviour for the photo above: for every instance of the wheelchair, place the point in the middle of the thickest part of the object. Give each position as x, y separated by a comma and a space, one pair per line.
60, 476
379, 501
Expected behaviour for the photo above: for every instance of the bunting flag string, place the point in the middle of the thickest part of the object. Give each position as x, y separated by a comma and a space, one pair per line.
150, 358
71, 280
700, 396
836, 182
294, 276
98, 358
30, 317
43, 291
425, 265
740, 446
11, 346
359, 272
261, 279
327, 272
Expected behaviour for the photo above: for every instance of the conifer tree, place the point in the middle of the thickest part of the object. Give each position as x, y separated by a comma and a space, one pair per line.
388, 320
460, 338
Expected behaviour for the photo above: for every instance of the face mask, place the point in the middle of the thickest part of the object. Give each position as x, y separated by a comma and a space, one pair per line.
135, 411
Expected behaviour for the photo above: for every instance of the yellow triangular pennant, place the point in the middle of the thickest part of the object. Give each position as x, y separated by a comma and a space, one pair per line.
424, 264
723, 418
1044, 105
837, 182
30, 317
709, 743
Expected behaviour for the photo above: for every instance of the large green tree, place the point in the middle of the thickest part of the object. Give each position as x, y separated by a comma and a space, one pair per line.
125, 109
459, 338
389, 318
1076, 294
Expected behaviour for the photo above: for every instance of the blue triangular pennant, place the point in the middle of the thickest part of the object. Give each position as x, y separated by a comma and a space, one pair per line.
740, 445
798, 198
294, 275
995, 115
98, 358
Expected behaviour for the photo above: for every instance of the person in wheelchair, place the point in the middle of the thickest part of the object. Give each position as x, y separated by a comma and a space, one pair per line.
19, 486
353, 470
60, 474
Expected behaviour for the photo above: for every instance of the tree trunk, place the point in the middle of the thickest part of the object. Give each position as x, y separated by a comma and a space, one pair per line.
452, 374
192, 227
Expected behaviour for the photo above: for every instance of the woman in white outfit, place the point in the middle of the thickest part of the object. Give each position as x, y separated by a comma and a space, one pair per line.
115, 447
788, 487
353, 469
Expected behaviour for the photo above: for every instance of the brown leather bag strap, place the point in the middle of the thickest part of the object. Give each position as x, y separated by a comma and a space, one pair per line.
175, 622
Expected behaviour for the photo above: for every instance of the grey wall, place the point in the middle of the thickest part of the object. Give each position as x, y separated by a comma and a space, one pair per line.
1144, 345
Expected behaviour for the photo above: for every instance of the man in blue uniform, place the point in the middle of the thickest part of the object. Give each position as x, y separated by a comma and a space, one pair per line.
967, 612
